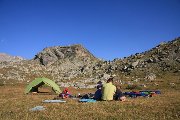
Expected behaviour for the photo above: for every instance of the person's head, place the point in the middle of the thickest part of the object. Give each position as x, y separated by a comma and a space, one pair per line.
99, 86
118, 87
99, 83
110, 80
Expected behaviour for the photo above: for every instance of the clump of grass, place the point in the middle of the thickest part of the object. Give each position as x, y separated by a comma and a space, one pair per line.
134, 87
1, 83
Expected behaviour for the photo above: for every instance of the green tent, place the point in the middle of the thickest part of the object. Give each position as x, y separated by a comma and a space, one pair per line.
33, 86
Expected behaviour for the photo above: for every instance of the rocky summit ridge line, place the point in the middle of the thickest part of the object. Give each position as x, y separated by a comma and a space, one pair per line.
76, 66
6, 57
52, 54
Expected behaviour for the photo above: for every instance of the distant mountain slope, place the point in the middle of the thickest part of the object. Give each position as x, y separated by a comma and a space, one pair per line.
158, 60
6, 57
65, 63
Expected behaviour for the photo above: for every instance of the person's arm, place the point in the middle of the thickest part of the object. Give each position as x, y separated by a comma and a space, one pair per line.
114, 89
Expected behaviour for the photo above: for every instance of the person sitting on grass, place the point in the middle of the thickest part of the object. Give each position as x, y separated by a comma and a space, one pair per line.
119, 95
108, 90
98, 93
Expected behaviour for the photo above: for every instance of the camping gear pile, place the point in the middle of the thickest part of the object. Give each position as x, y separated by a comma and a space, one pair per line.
144, 93
65, 94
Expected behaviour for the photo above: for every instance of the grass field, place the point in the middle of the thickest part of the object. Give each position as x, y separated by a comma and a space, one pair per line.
15, 105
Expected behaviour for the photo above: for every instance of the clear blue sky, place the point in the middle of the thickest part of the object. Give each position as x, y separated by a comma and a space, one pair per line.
107, 28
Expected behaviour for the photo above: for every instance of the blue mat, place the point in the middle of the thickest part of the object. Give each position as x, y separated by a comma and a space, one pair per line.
54, 101
37, 108
87, 100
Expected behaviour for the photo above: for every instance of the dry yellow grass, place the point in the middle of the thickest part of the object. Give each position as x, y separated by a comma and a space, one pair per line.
15, 105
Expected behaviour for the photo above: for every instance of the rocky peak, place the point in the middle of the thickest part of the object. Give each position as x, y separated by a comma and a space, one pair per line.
52, 54
7, 58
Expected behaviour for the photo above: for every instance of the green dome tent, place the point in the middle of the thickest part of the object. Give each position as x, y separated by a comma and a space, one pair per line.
33, 86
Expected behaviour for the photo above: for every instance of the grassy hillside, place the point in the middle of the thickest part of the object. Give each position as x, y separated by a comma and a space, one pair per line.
15, 105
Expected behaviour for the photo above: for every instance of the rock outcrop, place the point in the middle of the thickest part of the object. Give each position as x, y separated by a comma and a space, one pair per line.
53, 54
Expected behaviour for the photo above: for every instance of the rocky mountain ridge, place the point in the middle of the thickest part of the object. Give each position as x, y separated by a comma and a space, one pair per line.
8, 58
76, 66
162, 58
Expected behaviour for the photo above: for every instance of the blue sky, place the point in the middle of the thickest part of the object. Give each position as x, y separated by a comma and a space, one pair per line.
107, 28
